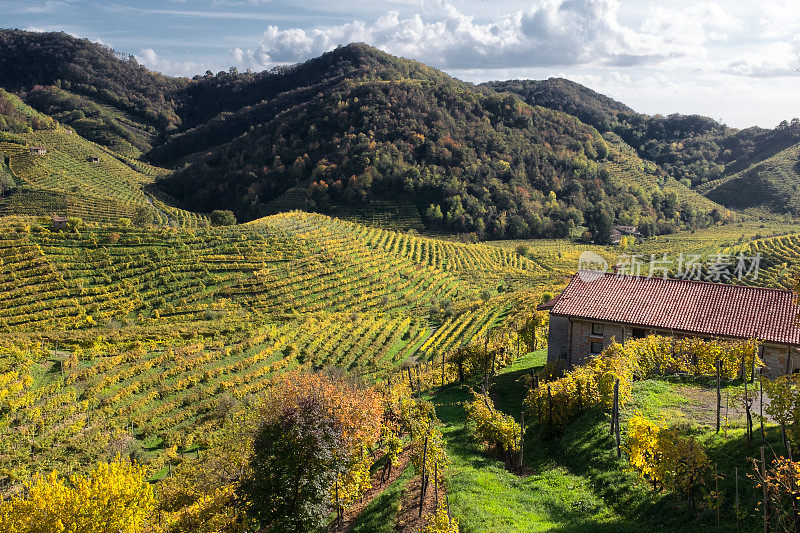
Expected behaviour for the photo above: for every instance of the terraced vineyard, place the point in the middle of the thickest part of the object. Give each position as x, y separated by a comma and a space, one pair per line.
67, 166
66, 181
135, 338
773, 184
780, 260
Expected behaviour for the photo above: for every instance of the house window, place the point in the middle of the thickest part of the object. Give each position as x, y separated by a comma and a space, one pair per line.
597, 330
596, 347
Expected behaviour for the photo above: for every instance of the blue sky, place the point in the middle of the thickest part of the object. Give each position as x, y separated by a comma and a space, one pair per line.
734, 60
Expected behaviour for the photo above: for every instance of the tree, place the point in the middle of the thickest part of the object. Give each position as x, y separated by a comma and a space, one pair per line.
313, 432
434, 214
222, 217
6, 183
144, 217
294, 463
600, 223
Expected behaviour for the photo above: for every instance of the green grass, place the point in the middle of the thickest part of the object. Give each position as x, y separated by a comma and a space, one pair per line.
576, 482
484, 496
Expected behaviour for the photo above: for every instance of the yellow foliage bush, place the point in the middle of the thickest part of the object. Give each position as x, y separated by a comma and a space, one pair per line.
491, 425
665, 456
440, 522
112, 498
555, 403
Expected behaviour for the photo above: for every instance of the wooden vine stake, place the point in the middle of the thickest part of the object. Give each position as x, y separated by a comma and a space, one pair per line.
719, 396
422, 477
616, 415
436, 482
442, 369
761, 408
521, 437
549, 408
766, 494
338, 509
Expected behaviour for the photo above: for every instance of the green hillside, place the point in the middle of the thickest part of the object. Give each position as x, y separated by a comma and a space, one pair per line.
773, 184
351, 133
691, 147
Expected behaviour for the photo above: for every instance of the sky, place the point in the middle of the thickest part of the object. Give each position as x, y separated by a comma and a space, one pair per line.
737, 61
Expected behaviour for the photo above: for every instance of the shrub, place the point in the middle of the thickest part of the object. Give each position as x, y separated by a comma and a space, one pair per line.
113, 497
220, 217
493, 427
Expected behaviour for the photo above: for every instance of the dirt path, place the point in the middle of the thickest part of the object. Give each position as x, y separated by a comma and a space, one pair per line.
351, 515
702, 405
408, 519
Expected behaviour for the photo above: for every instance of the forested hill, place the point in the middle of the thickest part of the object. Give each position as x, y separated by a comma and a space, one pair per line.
693, 148
357, 128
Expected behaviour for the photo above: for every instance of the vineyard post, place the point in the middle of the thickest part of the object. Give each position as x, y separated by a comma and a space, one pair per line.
761, 406
613, 408
741, 370
436, 482
338, 509
616, 415
719, 396
793, 496
549, 408
410, 381
521, 437
766, 495
422, 477
442, 369
749, 428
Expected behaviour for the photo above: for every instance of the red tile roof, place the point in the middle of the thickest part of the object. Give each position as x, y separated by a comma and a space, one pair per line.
694, 307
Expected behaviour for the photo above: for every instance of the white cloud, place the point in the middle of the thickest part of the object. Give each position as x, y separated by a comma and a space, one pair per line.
770, 60
778, 19
692, 27
149, 58
551, 32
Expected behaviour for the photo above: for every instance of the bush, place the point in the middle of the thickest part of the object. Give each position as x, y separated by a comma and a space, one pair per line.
493, 427
223, 217
112, 497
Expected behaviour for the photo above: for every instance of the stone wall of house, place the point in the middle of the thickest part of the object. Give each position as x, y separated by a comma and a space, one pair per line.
578, 350
775, 359
557, 339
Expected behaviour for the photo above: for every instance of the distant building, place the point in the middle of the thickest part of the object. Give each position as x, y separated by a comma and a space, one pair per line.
38, 150
595, 309
59, 223
623, 231
94, 159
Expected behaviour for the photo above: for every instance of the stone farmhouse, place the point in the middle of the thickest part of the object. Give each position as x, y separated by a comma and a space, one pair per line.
595, 309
